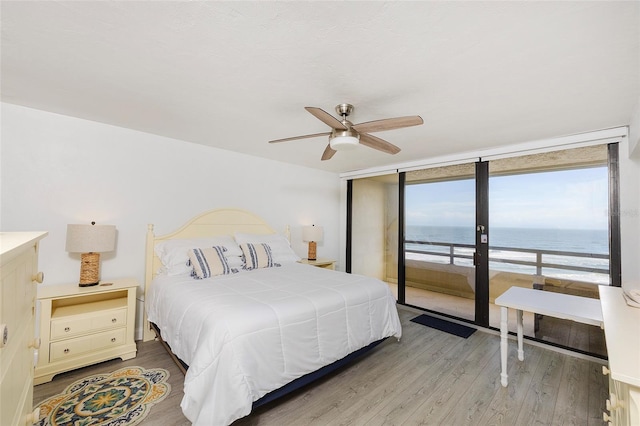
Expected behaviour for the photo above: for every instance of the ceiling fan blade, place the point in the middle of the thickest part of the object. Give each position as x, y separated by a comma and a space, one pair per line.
328, 153
377, 143
300, 137
326, 118
388, 124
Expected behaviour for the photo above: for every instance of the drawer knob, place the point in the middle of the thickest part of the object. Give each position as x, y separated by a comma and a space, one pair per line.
605, 370
67, 329
33, 417
66, 351
605, 417
113, 339
615, 402
114, 320
39, 277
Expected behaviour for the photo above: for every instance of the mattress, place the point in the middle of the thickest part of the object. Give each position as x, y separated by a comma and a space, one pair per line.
246, 334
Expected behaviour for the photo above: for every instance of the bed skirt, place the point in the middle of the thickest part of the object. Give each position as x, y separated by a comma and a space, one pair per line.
291, 386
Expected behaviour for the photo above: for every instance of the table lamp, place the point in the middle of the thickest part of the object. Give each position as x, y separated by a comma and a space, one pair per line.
312, 234
90, 241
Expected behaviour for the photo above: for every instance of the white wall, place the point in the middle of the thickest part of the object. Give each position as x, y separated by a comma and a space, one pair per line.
634, 131
630, 203
57, 170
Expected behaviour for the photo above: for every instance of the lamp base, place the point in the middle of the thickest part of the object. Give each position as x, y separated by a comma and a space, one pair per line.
89, 269
312, 251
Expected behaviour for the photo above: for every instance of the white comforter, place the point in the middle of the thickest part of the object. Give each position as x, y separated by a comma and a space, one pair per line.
246, 334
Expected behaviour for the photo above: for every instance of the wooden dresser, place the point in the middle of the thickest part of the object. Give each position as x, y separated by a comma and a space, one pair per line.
19, 266
622, 333
80, 326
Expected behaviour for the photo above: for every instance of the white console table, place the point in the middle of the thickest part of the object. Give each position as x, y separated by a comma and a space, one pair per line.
564, 306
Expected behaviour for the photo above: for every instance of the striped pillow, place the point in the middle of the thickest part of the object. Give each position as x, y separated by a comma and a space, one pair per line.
257, 256
209, 262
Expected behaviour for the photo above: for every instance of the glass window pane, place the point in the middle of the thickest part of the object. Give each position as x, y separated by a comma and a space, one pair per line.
440, 240
374, 245
549, 231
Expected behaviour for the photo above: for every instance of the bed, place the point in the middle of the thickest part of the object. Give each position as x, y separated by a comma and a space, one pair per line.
250, 332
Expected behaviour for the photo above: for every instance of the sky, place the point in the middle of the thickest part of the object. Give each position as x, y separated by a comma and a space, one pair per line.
568, 199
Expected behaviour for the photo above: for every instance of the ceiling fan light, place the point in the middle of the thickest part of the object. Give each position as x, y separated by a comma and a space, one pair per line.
343, 142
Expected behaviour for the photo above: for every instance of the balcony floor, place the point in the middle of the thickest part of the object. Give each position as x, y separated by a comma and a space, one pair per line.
583, 337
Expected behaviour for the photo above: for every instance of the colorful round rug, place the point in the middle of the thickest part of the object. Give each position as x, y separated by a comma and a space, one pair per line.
123, 397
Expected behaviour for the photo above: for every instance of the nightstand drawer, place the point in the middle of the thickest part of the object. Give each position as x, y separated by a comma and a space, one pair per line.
73, 347
80, 326
74, 326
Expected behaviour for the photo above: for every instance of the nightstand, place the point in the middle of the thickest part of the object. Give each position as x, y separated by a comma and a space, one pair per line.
80, 326
320, 263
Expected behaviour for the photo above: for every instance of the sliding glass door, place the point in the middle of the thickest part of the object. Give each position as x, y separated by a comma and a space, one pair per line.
450, 240
549, 226
374, 228
440, 240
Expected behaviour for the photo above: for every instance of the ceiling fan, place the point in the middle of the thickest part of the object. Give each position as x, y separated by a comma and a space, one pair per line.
345, 135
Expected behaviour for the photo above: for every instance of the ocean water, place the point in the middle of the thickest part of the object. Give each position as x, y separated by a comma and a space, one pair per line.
567, 240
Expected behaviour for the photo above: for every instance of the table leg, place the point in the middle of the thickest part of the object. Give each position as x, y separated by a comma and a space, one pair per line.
504, 332
520, 335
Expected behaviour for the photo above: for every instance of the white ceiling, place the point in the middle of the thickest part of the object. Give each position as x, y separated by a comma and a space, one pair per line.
234, 75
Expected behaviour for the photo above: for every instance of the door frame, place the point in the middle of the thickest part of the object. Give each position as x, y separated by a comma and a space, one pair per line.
481, 257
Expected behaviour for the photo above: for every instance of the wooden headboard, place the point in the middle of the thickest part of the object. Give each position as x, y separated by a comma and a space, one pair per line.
208, 224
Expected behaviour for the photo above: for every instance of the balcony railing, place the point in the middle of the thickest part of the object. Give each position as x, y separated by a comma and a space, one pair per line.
454, 251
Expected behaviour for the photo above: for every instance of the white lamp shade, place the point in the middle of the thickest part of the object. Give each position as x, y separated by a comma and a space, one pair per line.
343, 143
90, 238
311, 233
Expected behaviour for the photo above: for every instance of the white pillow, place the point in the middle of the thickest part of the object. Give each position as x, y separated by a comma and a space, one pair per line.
174, 253
209, 262
280, 248
258, 255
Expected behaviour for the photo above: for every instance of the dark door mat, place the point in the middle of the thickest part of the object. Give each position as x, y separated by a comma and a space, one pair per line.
444, 325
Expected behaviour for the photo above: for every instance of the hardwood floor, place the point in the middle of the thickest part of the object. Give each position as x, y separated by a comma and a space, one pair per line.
428, 378
150, 355
570, 334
